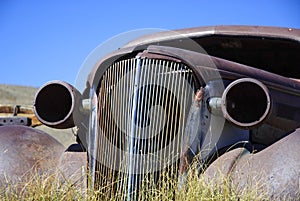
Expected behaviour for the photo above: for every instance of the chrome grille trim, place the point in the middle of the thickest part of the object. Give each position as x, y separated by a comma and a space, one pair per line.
143, 105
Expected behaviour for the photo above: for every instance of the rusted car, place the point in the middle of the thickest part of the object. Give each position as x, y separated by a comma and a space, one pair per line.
225, 96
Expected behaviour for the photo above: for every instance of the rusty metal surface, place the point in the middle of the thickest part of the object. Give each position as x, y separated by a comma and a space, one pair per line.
14, 120
259, 31
205, 69
266, 165
199, 62
246, 103
25, 151
72, 168
18, 113
190, 144
208, 68
56, 104
274, 34
274, 170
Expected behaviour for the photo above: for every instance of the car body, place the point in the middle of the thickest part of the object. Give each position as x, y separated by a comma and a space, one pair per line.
164, 99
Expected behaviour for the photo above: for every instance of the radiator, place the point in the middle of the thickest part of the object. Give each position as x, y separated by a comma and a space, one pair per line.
142, 109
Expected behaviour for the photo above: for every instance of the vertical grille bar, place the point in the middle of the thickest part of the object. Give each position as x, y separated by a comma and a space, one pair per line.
133, 133
143, 104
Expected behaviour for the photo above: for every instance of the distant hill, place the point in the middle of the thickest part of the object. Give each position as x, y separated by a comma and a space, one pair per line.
17, 95
24, 96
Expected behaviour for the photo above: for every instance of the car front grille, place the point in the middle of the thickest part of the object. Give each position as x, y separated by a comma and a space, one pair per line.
142, 108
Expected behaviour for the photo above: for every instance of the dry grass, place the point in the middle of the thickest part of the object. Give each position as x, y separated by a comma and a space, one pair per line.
17, 95
195, 188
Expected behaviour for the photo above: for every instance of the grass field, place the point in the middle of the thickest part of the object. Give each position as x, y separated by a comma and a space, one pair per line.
17, 95
196, 187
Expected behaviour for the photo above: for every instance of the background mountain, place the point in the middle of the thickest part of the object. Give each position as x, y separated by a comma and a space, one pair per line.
17, 95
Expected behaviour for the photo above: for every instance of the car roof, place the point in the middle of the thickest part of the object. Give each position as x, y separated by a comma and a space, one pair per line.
198, 32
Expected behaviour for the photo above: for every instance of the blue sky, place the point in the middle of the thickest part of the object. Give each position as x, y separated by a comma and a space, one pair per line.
46, 40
